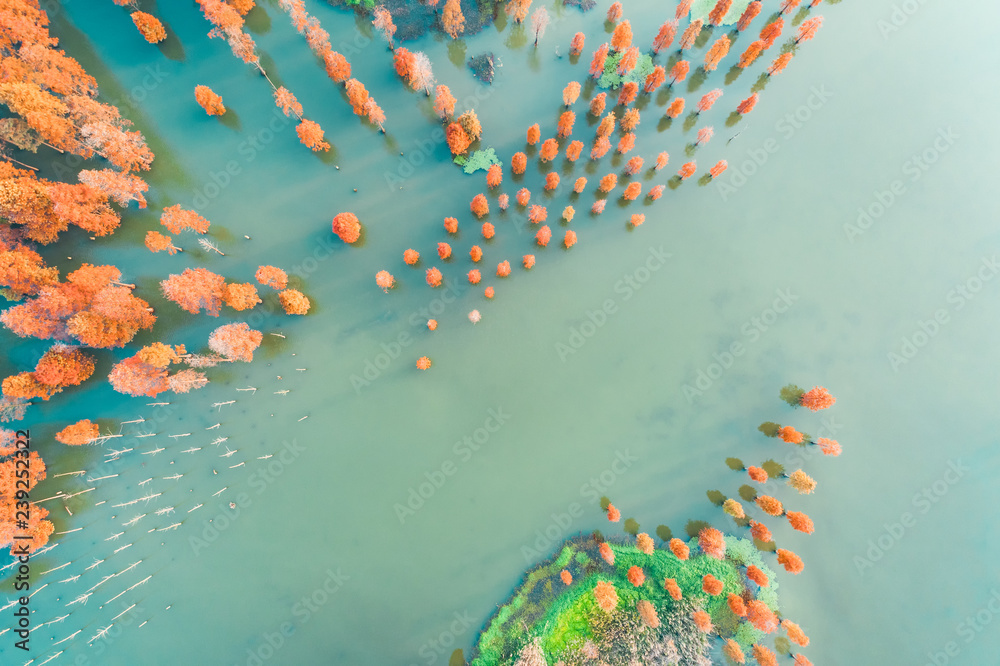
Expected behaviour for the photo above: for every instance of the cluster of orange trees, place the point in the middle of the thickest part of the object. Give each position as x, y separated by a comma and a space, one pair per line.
462, 131
53, 108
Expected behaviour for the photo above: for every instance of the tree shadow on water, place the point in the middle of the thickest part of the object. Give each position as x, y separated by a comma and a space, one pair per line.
697, 79
761, 83
456, 52
733, 74
694, 526
231, 119
171, 47
258, 21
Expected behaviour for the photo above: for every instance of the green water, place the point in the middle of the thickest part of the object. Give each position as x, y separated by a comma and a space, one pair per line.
322, 523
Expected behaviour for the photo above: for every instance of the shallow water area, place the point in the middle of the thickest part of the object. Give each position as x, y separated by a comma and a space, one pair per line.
386, 527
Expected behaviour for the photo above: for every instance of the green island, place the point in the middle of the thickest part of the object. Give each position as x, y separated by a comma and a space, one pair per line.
548, 621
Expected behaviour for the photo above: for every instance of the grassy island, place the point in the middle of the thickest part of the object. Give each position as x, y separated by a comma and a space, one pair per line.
584, 606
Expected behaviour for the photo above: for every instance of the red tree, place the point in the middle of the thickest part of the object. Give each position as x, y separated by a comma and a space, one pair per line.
708, 99
621, 38
347, 227
691, 34
176, 219
81, 432
235, 341
194, 290
712, 543
272, 277
751, 54
679, 71
718, 13
717, 52
549, 150
665, 37
597, 62
749, 14
211, 102
598, 103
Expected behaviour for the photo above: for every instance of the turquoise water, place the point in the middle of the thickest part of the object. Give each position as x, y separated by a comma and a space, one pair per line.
318, 522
